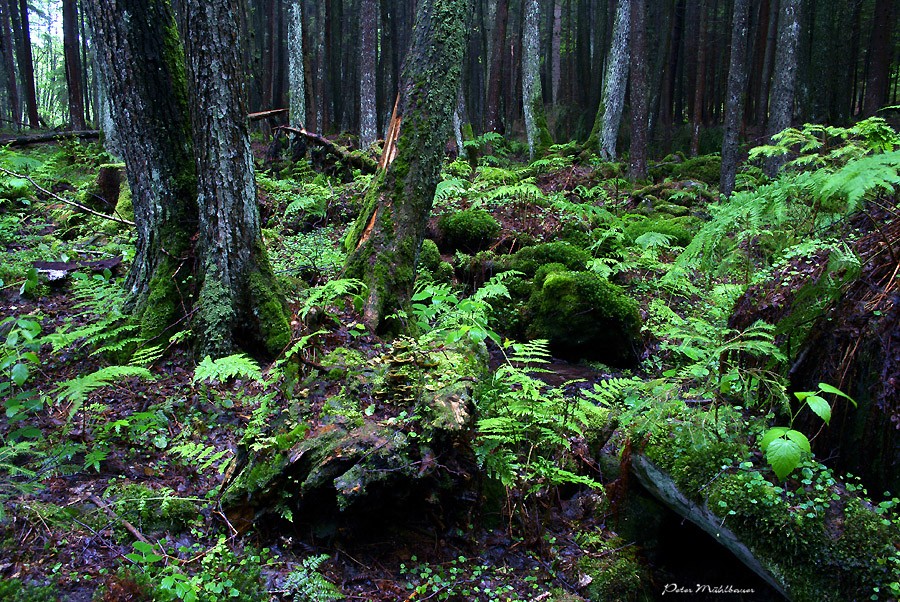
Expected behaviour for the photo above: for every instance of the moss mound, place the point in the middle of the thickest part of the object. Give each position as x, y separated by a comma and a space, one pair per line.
676, 230
585, 316
470, 230
529, 259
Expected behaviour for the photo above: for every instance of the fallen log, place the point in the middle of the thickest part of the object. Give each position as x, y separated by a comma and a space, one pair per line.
48, 136
265, 114
353, 158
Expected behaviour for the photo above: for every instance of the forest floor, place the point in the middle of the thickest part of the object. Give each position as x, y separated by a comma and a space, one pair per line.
110, 482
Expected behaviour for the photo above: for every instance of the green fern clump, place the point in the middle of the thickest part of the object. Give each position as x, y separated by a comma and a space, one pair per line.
584, 315
529, 259
306, 583
151, 510
470, 230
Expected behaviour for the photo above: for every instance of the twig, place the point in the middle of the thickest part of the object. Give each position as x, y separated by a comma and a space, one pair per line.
111, 218
112, 514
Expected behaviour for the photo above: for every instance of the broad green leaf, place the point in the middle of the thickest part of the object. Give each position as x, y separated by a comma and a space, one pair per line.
783, 456
800, 439
19, 374
802, 395
820, 407
826, 388
772, 434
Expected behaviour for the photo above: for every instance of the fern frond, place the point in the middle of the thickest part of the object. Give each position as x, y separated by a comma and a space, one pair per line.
862, 176
327, 294
77, 389
201, 457
147, 356
238, 365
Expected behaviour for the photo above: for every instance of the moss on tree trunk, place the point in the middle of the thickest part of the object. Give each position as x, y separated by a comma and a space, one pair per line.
386, 238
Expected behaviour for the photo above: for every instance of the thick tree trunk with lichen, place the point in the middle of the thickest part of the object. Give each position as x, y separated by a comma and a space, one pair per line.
142, 65
532, 98
368, 119
609, 113
296, 70
238, 299
385, 241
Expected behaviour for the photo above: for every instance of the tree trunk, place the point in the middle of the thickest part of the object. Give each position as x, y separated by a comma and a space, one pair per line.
72, 51
762, 102
640, 101
737, 88
296, 71
556, 52
24, 59
368, 118
699, 81
9, 67
532, 99
495, 78
785, 76
385, 241
238, 299
141, 63
609, 113
880, 55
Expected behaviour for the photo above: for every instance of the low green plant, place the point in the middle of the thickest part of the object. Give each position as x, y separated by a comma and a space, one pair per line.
785, 447
306, 583
461, 579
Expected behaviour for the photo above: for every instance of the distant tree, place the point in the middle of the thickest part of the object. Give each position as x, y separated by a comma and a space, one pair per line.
184, 138
9, 67
880, 53
737, 88
22, 34
532, 99
72, 52
296, 71
781, 107
609, 113
496, 75
640, 93
368, 118
385, 241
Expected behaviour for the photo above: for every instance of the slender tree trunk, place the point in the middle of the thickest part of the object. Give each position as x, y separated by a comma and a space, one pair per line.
498, 48
737, 88
556, 52
296, 71
239, 300
532, 99
609, 113
72, 51
699, 80
25, 61
9, 67
640, 101
785, 76
368, 64
385, 241
880, 55
141, 63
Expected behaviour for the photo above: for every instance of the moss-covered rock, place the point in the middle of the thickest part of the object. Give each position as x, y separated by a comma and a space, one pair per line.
613, 570
429, 256
469, 230
529, 259
585, 316
676, 230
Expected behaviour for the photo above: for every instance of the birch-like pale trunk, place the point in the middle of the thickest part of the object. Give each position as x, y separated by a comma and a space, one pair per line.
296, 75
609, 113
532, 97
368, 117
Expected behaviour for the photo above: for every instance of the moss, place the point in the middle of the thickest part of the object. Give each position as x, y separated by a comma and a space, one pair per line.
15, 590
680, 235
616, 573
429, 256
585, 316
124, 206
215, 317
705, 168
469, 230
273, 324
529, 259
152, 510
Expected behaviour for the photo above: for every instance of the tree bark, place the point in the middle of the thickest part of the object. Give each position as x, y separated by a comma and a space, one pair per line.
699, 80
785, 76
640, 101
385, 241
879, 56
72, 51
368, 118
556, 52
296, 71
141, 62
609, 113
737, 87
25, 61
238, 299
9, 67
498, 48
532, 99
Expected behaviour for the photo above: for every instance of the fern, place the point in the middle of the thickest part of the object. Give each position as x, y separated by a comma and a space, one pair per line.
450, 189
860, 177
201, 457
77, 389
327, 294
223, 369
307, 584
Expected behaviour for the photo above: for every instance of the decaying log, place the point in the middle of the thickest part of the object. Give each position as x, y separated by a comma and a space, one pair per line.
48, 136
354, 159
265, 114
